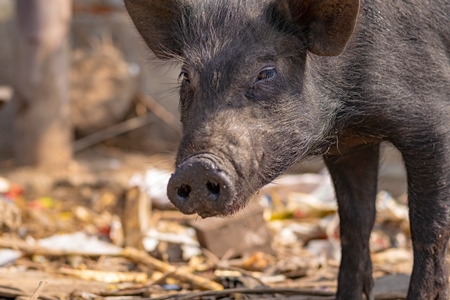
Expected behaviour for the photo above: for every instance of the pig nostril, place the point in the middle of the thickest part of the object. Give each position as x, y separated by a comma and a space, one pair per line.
213, 188
184, 191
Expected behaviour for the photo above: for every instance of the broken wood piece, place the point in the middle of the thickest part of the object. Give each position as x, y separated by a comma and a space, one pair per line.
10, 215
197, 281
136, 217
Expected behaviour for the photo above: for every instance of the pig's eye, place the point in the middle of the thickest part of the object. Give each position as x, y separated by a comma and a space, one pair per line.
184, 76
267, 74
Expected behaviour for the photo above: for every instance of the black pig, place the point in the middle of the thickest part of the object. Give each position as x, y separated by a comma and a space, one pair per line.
265, 83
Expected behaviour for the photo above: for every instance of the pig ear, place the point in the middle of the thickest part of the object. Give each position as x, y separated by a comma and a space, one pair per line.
156, 21
330, 23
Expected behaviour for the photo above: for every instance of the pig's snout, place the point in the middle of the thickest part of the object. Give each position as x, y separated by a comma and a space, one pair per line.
200, 186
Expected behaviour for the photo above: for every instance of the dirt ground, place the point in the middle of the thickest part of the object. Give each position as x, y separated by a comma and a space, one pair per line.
55, 215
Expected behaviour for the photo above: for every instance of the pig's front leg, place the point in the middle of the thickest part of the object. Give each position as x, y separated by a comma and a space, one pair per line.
355, 180
429, 211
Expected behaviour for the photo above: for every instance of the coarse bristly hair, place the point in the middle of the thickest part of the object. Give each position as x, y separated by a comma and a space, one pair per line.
221, 36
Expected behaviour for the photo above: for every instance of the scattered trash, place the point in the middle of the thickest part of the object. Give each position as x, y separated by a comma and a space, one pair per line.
8, 256
392, 255
289, 235
189, 246
389, 209
10, 213
154, 183
313, 196
171, 287
5, 185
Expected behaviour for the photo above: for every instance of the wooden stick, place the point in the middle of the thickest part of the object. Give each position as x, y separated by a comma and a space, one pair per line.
130, 253
160, 112
156, 110
144, 258
112, 131
38, 291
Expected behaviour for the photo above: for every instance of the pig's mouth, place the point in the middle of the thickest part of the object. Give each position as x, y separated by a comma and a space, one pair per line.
204, 184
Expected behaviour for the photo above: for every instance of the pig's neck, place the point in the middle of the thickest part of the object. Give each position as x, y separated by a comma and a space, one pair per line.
337, 83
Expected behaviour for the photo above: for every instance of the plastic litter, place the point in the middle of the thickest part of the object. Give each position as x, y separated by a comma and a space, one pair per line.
154, 183
79, 242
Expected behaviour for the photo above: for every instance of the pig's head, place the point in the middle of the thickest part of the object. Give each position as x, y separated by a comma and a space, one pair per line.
248, 103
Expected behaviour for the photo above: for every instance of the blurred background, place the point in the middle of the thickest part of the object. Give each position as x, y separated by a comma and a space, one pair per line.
91, 68
109, 71
82, 99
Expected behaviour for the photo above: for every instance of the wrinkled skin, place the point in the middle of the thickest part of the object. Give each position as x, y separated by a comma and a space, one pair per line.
266, 83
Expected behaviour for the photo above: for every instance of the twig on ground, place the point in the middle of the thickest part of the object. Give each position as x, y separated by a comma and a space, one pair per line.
197, 281
38, 291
